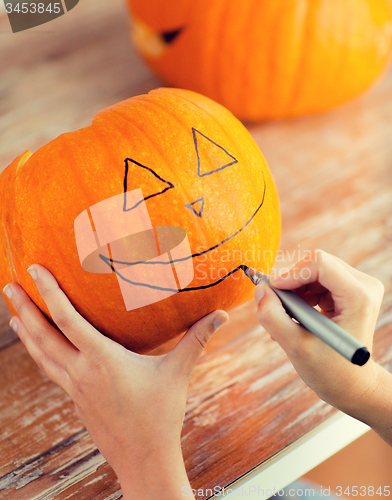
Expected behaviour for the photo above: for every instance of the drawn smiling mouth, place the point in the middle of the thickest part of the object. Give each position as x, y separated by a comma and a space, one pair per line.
109, 261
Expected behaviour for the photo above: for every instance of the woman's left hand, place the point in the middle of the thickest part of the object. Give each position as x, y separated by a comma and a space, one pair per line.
132, 405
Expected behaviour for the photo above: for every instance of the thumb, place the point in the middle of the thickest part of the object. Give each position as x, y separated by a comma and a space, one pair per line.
272, 316
189, 349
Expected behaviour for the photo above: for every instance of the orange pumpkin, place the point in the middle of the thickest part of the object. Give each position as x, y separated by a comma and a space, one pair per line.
266, 59
199, 172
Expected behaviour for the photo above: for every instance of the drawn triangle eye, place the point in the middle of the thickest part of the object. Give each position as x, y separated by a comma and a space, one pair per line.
196, 206
211, 157
139, 176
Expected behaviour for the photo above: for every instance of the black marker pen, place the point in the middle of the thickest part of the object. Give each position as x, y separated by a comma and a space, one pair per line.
318, 324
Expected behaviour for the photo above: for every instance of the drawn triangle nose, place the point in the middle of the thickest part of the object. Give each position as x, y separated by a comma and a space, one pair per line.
196, 206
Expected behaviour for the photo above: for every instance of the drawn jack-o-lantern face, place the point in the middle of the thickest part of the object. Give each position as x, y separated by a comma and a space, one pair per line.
143, 258
199, 174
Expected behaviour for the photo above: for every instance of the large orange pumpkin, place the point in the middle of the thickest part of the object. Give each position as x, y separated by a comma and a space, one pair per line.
266, 59
199, 171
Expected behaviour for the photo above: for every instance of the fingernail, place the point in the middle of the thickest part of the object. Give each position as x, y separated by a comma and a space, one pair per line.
274, 280
259, 293
13, 324
7, 290
33, 272
219, 321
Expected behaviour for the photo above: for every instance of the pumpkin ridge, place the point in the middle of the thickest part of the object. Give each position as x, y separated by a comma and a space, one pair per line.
8, 253
344, 54
273, 55
108, 151
216, 62
142, 132
306, 34
243, 81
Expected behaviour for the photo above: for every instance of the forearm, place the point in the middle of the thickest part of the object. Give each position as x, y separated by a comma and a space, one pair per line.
374, 408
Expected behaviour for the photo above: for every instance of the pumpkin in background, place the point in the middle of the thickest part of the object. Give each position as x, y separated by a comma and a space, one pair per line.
265, 59
199, 172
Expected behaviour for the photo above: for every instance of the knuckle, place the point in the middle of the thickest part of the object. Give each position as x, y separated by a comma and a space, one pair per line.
65, 321
367, 300
371, 289
39, 338
316, 255
80, 383
100, 365
202, 337
87, 372
77, 375
319, 258
265, 315
46, 291
363, 296
260, 314
379, 289
40, 360
78, 412
20, 307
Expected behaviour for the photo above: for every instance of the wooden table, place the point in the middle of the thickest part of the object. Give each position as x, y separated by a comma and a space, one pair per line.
246, 403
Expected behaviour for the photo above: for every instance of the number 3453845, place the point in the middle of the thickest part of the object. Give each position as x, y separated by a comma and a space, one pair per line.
363, 491
33, 8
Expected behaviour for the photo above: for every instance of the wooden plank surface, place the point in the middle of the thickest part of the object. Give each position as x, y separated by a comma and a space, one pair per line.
246, 403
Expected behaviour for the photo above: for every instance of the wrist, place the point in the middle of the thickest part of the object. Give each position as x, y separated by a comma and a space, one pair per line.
159, 473
372, 404
358, 389
377, 408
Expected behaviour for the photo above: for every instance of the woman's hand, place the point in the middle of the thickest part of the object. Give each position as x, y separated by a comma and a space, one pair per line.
350, 298
132, 405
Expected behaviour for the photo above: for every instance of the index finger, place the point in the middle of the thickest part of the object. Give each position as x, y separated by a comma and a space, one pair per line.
320, 267
79, 331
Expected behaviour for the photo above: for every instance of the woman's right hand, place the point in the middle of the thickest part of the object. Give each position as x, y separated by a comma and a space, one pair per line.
351, 299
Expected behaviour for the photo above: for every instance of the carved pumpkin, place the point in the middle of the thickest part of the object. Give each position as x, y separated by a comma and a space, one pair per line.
266, 59
179, 160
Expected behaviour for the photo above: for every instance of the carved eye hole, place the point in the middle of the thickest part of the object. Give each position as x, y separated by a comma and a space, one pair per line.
170, 36
151, 43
